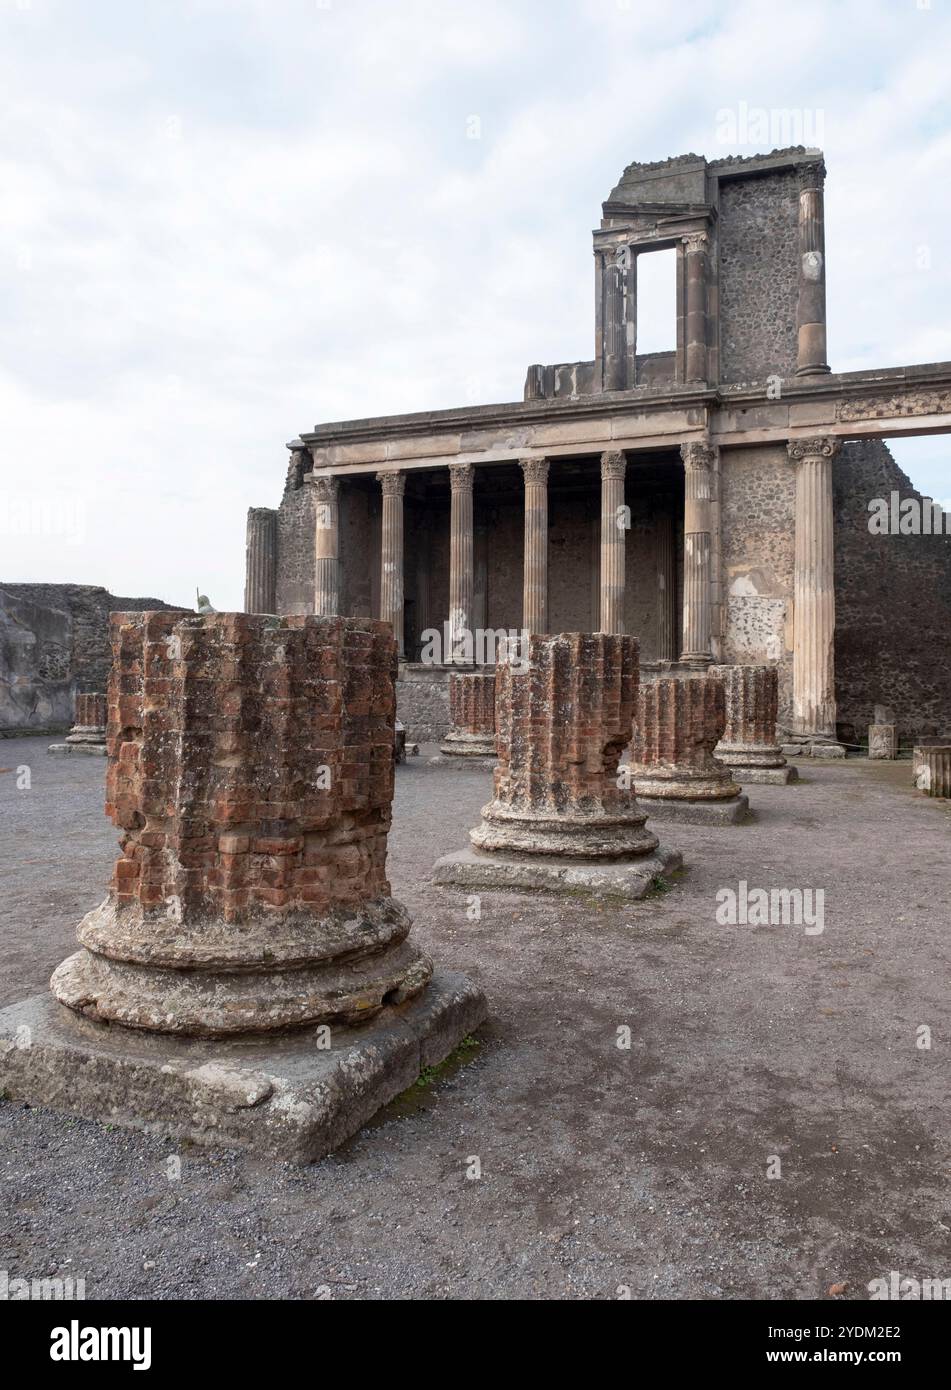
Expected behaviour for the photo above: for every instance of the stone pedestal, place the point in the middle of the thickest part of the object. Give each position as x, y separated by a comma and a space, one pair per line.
472, 711
561, 817
883, 741
680, 720
749, 745
251, 776
88, 733
933, 764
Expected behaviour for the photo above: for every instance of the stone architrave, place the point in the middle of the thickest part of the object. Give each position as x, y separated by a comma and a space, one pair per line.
749, 746
563, 816
472, 711
250, 963
680, 720
88, 733
883, 741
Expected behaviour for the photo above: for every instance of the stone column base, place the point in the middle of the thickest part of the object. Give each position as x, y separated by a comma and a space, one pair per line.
285, 1097
461, 745
630, 879
767, 766
732, 810
812, 748
79, 746
765, 776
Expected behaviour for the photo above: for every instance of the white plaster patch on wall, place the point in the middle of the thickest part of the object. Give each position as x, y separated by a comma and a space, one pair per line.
755, 627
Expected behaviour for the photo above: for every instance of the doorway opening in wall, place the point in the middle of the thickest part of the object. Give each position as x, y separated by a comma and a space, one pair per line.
656, 316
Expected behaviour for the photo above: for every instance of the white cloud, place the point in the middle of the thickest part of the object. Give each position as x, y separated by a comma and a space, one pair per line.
226, 220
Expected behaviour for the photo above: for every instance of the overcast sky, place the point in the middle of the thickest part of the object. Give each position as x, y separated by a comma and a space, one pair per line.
224, 221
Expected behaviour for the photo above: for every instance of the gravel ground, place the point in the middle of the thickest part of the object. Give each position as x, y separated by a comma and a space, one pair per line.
601, 1167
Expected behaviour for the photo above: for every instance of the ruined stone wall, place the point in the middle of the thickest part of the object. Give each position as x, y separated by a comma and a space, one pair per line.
422, 703
296, 523
759, 264
758, 501
54, 641
893, 605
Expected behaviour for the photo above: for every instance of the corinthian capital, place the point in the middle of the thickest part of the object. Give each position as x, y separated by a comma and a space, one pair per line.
697, 455
325, 485
460, 477
695, 241
393, 484
613, 465
824, 446
535, 471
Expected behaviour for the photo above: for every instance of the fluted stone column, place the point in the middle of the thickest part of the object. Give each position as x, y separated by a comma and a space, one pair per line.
698, 460
613, 533
811, 312
250, 773
695, 317
535, 576
814, 593
460, 564
749, 744
391, 561
326, 544
680, 720
561, 816
261, 561
666, 589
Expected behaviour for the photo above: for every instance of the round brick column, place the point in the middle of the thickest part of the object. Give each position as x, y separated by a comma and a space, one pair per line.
680, 720
472, 711
749, 743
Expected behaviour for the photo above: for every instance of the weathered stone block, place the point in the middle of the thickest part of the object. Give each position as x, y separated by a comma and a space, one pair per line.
882, 741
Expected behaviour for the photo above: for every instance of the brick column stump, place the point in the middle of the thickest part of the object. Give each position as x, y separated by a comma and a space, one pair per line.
749, 745
88, 732
932, 767
249, 979
472, 711
680, 720
562, 816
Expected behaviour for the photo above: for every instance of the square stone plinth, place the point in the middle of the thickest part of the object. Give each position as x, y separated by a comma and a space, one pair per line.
281, 1096
731, 810
619, 878
765, 776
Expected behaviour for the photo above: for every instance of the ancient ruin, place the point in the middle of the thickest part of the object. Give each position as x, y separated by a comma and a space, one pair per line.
561, 816
251, 776
742, 465
472, 711
88, 732
680, 720
749, 745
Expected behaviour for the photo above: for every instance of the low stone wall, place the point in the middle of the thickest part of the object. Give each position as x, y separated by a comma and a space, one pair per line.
422, 702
